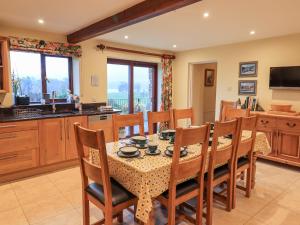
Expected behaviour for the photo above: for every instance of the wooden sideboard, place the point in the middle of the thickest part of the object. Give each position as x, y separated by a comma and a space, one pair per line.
283, 134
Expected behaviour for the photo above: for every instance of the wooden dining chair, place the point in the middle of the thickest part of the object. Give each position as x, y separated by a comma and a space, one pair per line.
160, 117
221, 166
230, 113
226, 104
104, 192
184, 169
179, 114
127, 120
244, 155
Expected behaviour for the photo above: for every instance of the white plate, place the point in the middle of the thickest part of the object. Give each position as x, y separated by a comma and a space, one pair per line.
128, 149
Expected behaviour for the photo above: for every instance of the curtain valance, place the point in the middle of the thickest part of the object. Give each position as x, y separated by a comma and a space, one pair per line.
46, 47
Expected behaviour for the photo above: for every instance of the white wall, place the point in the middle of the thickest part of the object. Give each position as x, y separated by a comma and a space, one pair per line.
280, 51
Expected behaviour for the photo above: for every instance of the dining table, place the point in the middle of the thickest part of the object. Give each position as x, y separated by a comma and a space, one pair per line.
148, 176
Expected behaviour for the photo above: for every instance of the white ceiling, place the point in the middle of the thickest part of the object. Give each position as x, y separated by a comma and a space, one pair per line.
230, 21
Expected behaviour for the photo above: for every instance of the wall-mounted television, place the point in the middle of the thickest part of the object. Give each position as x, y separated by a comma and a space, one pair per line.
285, 77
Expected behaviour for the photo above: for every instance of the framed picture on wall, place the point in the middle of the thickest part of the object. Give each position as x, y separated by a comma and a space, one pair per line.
247, 87
248, 69
209, 77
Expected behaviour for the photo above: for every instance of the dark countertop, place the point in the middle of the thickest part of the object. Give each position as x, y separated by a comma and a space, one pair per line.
12, 118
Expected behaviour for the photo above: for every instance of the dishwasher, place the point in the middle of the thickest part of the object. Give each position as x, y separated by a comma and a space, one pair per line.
103, 122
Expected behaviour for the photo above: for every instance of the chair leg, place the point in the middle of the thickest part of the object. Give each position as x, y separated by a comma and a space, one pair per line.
86, 210
249, 182
108, 218
229, 194
171, 214
209, 205
120, 217
234, 193
199, 209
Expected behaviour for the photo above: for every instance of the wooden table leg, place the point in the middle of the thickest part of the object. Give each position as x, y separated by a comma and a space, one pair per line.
253, 170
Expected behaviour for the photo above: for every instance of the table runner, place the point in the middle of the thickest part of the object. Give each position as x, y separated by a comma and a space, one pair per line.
148, 176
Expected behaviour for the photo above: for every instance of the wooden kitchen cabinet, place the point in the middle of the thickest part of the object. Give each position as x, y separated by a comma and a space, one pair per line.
4, 65
52, 141
18, 146
71, 152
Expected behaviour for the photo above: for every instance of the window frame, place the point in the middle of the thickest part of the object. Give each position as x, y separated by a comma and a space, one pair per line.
44, 75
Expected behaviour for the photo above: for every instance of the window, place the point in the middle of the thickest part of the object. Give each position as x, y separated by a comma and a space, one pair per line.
132, 87
40, 73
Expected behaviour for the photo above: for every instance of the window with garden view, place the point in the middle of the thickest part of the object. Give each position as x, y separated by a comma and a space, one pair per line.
34, 74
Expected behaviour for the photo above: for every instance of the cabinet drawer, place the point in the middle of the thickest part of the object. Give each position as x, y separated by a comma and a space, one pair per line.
289, 125
265, 123
17, 141
17, 160
18, 126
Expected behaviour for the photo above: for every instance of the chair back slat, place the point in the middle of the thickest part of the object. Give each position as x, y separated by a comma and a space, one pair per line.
99, 174
179, 114
232, 113
246, 146
159, 117
127, 120
225, 104
189, 168
92, 171
224, 154
193, 167
225, 128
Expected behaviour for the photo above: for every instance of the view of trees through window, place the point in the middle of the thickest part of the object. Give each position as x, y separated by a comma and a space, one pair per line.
26, 69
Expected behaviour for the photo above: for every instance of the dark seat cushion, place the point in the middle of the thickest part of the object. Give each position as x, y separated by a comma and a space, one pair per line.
242, 161
183, 188
219, 172
119, 193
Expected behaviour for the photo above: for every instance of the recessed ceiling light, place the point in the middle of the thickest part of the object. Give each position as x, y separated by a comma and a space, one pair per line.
206, 14
174, 46
126, 37
252, 32
41, 21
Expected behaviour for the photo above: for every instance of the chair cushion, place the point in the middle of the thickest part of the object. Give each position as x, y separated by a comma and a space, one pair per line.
219, 172
242, 161
119, 193
183, 188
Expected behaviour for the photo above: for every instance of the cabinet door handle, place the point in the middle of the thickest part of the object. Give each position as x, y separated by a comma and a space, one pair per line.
8, 126
8, 137
291, 125
264, 122
61, 130
8, 157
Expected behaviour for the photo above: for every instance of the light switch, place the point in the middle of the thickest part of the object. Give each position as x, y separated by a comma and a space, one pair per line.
94, 81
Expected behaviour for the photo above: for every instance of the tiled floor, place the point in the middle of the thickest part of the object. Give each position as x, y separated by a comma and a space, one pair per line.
55, 199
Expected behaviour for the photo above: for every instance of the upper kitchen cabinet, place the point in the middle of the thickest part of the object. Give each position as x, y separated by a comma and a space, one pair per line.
4, 68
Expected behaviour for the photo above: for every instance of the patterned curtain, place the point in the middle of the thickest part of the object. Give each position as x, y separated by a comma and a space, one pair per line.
166, 90
46, 47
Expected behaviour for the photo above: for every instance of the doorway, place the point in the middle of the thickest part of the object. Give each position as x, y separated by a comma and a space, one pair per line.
132, 88
202, 91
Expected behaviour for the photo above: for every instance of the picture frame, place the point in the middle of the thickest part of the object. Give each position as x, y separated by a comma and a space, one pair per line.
209, 77
248, 69
247, 87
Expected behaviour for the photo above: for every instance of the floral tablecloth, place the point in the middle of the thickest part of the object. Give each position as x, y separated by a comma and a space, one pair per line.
148, 176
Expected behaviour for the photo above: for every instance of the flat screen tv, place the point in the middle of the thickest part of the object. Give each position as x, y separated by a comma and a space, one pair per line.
285, 77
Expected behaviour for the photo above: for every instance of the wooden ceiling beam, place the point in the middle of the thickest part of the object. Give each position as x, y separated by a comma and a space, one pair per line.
140, 12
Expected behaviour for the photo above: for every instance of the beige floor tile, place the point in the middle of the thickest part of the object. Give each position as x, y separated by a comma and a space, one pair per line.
275, 214
30, 182
74, 197
290, 200
235, 217
8, 200
43, 210
13, 217
255, 222
4, 187
69, 218
68, 184
68, 173
43, 191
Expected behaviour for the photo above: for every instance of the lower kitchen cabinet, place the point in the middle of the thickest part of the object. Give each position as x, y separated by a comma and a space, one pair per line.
71, 152
52, 141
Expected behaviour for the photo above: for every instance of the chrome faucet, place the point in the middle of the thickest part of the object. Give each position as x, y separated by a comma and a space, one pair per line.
53, 101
